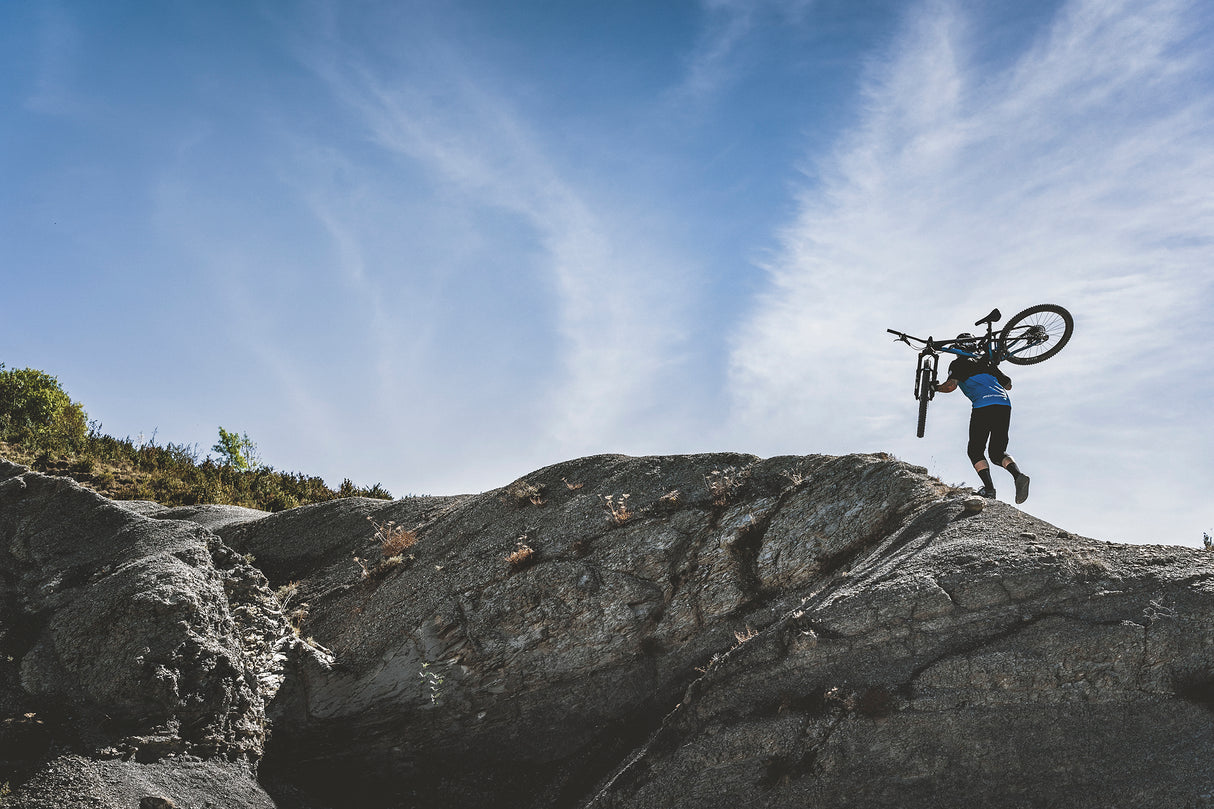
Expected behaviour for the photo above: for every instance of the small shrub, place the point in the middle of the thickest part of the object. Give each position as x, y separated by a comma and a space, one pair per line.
348, 489
296, 619
722, 483
378, 492
237, 451
433, 680
522, 493
36, 412
669, 502
281, 502
522, 556
397, 560
383, 566
617, 508
286, 594
393, 539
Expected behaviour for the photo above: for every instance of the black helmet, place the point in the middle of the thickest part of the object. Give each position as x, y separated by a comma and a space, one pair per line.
967, 341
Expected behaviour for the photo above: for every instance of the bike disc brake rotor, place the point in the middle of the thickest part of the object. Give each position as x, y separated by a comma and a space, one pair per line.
1036, 335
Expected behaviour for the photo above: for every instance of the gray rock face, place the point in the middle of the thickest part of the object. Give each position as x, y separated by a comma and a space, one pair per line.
961, 662
124, 637
710, 630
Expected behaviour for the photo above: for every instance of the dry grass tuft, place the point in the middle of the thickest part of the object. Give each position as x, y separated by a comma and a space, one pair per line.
796, 478
296, 614
522, 493
393, 539
722, 483
521, 557
742, 637
617, 508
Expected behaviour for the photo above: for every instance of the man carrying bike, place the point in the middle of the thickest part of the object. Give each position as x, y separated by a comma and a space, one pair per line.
986, 386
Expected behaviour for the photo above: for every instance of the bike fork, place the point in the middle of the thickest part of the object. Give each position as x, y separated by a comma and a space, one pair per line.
931, 361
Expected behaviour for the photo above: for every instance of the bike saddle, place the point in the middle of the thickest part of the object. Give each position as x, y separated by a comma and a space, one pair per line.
993, 317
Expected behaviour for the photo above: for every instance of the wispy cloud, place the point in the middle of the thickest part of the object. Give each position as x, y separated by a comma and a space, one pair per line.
620, 314
712, 64
1078, 173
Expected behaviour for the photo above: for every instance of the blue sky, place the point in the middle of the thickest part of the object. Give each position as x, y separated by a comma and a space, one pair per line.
437, 245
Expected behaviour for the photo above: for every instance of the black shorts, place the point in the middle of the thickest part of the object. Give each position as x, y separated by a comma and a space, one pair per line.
989, 424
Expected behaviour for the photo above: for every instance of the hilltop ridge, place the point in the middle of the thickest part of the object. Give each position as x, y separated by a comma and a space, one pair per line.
701, 630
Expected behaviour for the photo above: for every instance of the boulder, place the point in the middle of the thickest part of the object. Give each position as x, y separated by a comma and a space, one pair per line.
467, 677
125, 641
704, 630
960, 662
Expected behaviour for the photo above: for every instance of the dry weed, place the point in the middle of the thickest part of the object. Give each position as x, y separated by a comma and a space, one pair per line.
722, 483
522, 556
617, 508
742, 637
393, 539
523, 493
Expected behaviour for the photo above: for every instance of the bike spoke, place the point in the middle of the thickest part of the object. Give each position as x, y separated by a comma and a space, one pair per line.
1037, 334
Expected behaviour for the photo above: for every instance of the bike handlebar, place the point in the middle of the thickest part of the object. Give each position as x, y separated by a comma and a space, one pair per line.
930, 342
906, 338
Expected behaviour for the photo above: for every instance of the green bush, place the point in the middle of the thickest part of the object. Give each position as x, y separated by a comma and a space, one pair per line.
36, 413
40, 424
237, 451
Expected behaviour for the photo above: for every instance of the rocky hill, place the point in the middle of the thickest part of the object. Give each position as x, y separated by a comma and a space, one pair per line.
709, 630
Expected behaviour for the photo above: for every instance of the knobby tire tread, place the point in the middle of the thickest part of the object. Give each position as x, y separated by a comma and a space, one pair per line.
925, 396
1052, 308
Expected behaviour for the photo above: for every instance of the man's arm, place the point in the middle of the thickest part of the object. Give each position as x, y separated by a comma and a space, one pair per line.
948, 386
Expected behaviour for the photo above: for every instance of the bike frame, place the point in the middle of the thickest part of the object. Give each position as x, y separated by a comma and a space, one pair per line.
929, 356
1018, 343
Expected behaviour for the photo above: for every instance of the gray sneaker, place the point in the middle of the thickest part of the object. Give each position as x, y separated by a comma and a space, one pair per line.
987, 493
1022, 488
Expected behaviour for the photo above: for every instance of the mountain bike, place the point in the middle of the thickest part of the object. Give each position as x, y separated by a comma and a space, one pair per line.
1032, 336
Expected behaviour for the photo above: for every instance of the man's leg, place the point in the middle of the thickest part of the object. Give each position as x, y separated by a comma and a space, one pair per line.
1000, 425
988, 485
979, 432
1022, 480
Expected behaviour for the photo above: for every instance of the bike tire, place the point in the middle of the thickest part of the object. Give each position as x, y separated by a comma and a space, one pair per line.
1049, 320
925, 396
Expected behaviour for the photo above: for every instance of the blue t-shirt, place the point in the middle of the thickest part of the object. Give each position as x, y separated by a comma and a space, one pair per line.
980, 382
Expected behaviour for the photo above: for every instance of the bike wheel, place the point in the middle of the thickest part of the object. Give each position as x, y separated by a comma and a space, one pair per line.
1036, 334
925, 396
